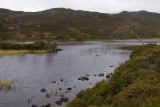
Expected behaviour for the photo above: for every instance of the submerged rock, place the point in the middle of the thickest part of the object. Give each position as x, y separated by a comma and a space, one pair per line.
53, 81
48, 95
46, 105
79, 78
59, 102
62, 94
111, 66
98, 55
34, 105
86, 78
108, 75
101, 74
64, 99
83, 78
69, 88
87, 75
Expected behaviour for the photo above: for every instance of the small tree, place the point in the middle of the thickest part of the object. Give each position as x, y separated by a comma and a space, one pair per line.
129, 28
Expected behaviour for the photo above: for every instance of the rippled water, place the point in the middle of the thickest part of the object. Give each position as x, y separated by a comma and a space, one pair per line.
31, 72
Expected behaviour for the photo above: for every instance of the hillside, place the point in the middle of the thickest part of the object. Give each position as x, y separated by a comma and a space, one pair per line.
136, 83
68, 24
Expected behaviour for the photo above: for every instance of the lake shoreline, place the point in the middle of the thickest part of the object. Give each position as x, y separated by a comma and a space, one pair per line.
133, 84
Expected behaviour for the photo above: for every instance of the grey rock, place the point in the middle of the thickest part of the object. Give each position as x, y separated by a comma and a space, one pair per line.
86, 78
87, 75
47, 105
108, 75
53, 81
59, 102
34, 105
101, 74
83, 78
43, 90
111, 66
64, 99
69, 88
48, 95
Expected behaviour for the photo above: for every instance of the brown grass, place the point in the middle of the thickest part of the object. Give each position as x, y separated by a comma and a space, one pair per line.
13, 52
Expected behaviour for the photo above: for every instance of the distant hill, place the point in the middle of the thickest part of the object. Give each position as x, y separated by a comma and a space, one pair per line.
67, 24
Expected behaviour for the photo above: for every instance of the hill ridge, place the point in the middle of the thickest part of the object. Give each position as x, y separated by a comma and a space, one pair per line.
69, 24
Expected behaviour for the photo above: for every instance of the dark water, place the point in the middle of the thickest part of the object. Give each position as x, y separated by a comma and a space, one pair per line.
31, 72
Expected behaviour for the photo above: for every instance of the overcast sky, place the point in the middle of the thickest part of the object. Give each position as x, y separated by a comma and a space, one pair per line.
104, 6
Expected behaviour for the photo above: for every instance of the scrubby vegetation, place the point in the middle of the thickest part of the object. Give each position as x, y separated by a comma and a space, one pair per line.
4, 84
37, 47
136, 83
11, 46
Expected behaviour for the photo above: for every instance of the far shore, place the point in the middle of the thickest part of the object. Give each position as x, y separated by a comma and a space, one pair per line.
148, 40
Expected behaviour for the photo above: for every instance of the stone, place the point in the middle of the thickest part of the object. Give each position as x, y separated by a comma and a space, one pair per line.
86, 78
53, 81
46, 105
69, 88
59, 102
108, 76
101, 74
64, 99
34, 105
87, 75
83, 78
48, 95
43, 90
61, 80
111, 66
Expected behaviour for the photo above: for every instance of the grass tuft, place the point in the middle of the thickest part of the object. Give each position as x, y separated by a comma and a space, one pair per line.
4, 84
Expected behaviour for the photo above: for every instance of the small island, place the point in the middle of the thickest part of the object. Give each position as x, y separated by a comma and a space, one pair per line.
36, 47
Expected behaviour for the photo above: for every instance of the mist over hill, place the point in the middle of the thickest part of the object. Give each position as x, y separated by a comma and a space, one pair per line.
67, 24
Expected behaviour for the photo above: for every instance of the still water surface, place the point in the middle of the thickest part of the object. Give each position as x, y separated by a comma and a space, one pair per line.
31, 72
